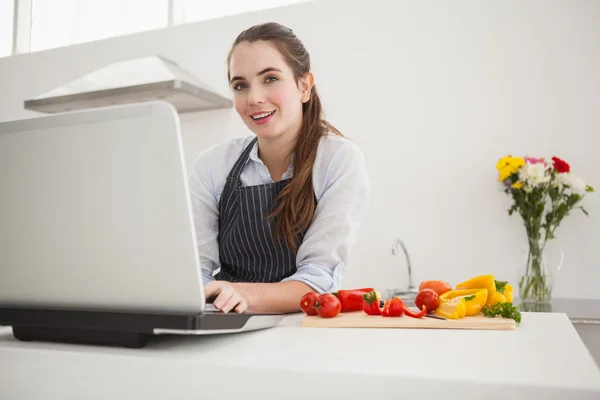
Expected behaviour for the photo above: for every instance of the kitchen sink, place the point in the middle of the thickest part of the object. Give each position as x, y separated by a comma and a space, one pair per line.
407, 297
408, 294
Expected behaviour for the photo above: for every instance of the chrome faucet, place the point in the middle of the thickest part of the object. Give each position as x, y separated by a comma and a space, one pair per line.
411, 287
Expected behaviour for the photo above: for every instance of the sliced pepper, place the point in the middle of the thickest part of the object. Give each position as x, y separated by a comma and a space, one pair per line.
475, 299
352, 300
506, 290
413, 314
481, 282
508, 293
452, 308
371, 304
393, 308
497, 298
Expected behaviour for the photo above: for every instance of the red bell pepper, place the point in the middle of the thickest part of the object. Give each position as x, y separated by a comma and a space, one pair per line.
352, 300
371, 304
393, 308
411, 313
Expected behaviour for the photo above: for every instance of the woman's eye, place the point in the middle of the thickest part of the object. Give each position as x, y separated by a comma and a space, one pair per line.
239, 86
271, 79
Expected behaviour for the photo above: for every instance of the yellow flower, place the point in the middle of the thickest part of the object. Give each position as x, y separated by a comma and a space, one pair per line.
507, 166
505, 173
517, 185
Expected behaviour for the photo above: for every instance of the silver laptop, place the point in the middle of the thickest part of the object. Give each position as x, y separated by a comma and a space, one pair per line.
96, 230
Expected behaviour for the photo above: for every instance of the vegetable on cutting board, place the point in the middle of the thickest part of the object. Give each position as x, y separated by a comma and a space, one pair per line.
419, 314
440, 287
504, 292
352, 300
371, 304
393, 308
481, 282
452, 308
480, 295
307, 303
427, 298
475, 299
504, 310
328, 306
396, 308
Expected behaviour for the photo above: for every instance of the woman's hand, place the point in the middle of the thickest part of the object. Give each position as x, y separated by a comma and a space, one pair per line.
226, 296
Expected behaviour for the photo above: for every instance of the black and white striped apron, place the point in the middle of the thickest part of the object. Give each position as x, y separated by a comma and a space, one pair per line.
247, 250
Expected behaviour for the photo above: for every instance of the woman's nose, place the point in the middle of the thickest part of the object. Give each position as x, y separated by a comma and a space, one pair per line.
256, 96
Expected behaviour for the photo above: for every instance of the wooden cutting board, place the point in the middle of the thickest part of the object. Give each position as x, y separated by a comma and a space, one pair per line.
359, 319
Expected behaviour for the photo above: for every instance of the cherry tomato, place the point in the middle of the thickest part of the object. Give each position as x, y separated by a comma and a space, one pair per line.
307, 303
440, 287
328, 306
428, 298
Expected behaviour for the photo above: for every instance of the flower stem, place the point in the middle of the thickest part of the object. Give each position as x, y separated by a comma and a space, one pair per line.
534, 285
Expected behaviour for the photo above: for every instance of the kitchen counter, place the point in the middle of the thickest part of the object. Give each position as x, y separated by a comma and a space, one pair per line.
543, 358
584, 314
579, 311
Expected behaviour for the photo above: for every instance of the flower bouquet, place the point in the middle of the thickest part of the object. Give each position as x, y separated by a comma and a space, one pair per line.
543, 192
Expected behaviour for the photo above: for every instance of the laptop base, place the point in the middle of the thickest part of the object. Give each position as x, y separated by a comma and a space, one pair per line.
80, 336
123, 329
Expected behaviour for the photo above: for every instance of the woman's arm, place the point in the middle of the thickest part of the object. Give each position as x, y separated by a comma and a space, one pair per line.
280, 297
283, 297
206, 214
343, 191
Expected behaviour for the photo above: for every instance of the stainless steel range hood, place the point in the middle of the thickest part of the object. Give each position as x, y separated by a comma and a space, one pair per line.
131, 81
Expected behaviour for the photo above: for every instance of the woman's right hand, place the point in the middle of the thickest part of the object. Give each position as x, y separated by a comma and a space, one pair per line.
226, 296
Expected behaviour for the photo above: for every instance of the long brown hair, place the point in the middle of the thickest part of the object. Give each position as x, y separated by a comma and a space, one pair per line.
295, 206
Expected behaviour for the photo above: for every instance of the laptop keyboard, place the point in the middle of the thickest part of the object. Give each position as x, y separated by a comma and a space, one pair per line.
210, 308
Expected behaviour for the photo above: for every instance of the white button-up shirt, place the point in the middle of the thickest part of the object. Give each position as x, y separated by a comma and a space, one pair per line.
342, 189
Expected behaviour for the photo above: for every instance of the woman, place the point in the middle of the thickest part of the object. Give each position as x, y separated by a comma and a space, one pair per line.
277, 212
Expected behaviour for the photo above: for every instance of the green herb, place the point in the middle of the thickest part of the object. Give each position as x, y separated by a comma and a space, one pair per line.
500, 286
505, 310
469, 298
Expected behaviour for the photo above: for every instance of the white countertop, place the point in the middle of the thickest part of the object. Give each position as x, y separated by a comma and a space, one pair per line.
542, 358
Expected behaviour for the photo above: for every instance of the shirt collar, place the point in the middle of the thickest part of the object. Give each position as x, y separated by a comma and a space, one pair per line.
254, 157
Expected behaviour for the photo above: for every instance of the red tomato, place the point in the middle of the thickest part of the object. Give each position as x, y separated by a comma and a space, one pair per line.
307, 303
440, 287
428, 298
328, 306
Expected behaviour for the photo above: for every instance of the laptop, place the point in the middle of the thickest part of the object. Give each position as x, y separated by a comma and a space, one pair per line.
97, 239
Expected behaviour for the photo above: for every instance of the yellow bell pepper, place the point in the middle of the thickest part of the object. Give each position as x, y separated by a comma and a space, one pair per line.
452, 308
508, 293
475, 299
497, 298
505, 290
481, 282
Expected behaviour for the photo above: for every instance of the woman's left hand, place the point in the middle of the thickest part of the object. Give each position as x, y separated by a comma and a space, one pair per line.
226, 296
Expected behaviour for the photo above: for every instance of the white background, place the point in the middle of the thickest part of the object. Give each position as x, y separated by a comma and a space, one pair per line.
57, 23
6, 27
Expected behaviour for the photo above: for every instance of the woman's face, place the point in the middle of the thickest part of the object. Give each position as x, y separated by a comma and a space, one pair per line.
266, 95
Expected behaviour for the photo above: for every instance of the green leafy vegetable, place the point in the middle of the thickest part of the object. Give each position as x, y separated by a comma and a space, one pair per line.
469, 298
500, 286
505, 310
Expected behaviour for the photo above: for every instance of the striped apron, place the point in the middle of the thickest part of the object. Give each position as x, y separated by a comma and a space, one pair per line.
247, 251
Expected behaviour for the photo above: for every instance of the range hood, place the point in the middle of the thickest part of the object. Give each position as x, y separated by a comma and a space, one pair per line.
131, 81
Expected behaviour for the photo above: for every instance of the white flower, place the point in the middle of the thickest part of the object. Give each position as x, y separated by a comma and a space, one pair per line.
577, 185
534, 174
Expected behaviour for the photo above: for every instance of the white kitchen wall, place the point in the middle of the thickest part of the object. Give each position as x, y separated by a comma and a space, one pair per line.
434, 92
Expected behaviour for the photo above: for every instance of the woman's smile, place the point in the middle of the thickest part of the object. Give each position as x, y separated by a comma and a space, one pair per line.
262, 118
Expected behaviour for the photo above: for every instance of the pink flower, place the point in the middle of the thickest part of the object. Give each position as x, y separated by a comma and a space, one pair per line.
533, 160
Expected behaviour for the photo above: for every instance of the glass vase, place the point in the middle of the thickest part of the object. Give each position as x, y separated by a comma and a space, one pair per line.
537, 275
